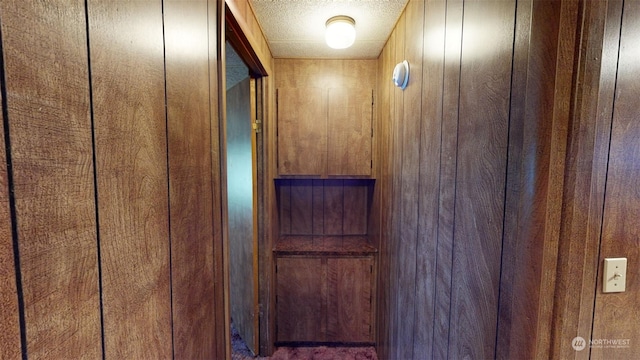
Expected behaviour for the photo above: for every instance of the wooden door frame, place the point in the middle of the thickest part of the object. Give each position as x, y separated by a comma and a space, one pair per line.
232, 31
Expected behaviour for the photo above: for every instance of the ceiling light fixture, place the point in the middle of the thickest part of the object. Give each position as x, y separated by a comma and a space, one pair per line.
341, 32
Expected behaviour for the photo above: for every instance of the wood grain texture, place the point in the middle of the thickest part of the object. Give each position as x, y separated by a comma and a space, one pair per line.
334, 207
534, 177
9, 311
586, 175
307, 144
485, 82
324, 207
240, 210
620, 231
190, 183
324, 73
329, 245
356, 206
302, 131
283, 191
510, 303
222, 341
272, 224
409, 149
447, 188
302, 206
428, 198
127, 67
349, 299
317, 207
396, 185
49, 122
382, 188
349, 128
324, 298
301, 295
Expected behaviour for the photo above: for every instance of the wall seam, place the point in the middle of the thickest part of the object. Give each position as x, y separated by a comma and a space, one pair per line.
12, 203
95, 179
606, 177
168, 168
506, 176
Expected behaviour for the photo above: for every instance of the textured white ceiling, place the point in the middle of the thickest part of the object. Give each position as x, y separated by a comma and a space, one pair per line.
295, 28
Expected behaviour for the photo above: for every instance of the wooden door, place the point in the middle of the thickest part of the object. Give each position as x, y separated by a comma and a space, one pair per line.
349, 299
241, 197
300, 299
349, 129
302, 131
616, 329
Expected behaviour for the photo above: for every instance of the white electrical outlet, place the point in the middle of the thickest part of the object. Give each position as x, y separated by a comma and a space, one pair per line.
615, 275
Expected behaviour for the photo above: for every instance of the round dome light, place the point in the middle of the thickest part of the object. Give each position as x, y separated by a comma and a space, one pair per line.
341, 32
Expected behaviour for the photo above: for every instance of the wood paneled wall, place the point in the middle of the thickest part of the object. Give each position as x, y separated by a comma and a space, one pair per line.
131, 160
540, 116
325, 74
599, 200
109, 180
323, 207
48, 125
489, 221
9, 311
191, 190
447, 155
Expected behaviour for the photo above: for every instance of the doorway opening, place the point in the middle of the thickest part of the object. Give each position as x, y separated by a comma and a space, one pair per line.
242, 199
244, 151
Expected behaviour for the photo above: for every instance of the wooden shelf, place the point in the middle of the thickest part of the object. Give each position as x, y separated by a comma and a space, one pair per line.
350, 245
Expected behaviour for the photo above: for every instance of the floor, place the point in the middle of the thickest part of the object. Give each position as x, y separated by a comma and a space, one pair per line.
240, 351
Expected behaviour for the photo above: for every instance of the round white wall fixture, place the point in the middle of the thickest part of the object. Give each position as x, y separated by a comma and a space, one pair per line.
401, 74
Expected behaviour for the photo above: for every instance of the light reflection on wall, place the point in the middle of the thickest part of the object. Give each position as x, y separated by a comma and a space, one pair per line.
473, 41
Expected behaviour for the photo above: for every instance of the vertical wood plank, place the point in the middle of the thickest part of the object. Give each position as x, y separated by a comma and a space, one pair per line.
47, 83
190, 190
543, 83
383, 185
318, 207
302, 131
410, 171
620, 232
485, 79
510, 304
349, 302
333, 207
447, 188
396, 186
349, 127
284, 199
584, 196
216, 39
430, 144
9, 311
355, 207
126, 40
301, 207
300, 296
